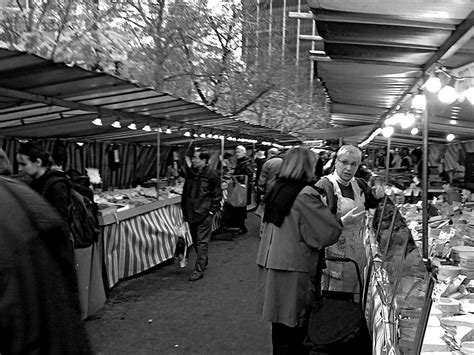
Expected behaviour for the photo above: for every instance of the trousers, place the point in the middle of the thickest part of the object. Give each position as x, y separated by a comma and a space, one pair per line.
201, 235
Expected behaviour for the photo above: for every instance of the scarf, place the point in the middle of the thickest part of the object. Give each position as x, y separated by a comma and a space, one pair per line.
280, 200
340, 181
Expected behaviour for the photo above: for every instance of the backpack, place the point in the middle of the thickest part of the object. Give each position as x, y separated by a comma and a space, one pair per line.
82, 211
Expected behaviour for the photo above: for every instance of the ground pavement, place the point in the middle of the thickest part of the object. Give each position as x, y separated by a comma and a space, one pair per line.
161, 312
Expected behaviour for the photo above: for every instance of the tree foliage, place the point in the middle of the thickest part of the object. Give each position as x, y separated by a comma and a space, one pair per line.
212, 56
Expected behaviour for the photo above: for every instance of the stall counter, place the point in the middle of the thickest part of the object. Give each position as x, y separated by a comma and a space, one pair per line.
139, 238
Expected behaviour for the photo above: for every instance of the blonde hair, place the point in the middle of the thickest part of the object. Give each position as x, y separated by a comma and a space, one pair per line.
241, 147
298, 165
349, 149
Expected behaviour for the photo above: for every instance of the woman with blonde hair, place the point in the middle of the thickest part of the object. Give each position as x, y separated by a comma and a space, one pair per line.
348, 198
296, 226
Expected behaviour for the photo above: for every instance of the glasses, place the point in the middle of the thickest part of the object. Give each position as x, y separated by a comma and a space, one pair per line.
347, 163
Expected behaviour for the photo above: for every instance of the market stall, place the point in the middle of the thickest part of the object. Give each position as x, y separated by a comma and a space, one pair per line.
138, 238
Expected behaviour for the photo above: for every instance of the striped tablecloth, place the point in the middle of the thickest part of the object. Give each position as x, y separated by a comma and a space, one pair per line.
136, 244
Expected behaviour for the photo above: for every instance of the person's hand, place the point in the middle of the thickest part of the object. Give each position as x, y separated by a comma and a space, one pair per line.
352, 216
188, 161
378, 191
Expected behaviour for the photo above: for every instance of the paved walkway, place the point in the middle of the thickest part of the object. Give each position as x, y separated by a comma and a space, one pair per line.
161, 312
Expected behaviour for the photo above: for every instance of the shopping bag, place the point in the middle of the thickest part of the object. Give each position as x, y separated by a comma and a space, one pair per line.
337, 324
237, 193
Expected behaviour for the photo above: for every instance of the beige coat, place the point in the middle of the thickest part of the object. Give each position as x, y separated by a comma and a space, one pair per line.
288, 257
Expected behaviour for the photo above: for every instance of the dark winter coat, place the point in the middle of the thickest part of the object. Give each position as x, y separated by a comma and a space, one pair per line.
243, 168
57, 193
202, 194
39, 307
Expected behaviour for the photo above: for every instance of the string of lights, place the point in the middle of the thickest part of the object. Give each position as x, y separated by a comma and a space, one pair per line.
450, 85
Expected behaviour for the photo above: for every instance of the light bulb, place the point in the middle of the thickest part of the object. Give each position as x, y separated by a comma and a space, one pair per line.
408, 120
202, 135
450, 137
414, 131
116, 124
146, 128
447, 95
187, 134
396, 118
80, 144
433, 84
209, 135
419, 102
97, 122
132, 126
168, 131
387, 131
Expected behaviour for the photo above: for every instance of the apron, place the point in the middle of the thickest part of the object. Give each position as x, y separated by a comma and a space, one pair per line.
341, 276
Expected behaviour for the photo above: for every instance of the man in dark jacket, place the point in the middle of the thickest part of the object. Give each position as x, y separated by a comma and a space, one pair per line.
201, 198
39, 305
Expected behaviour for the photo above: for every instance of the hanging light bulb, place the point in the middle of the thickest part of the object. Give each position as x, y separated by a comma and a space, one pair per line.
116, 124
168, 130
387, 131
132, 126
433, 84
187, 134
209, 135
450, 137
414, 131
447, 95
146, 128
97, 122
408, 120
215, 136
419, 102
396, 118
202, 135
80, 144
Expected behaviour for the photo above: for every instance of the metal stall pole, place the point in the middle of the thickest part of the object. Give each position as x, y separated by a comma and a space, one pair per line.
158, 164
424, 185
222, 157
387, 161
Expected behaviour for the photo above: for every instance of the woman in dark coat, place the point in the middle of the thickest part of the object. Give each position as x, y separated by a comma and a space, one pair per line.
296, 227
243, 173
39, 304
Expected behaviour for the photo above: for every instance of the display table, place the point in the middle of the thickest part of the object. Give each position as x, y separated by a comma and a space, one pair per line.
139, 238
399, 285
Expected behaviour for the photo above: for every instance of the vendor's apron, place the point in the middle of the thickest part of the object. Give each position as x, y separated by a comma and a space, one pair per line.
339, 276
